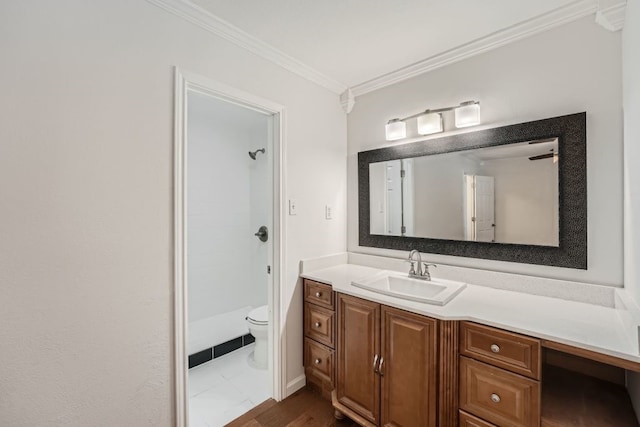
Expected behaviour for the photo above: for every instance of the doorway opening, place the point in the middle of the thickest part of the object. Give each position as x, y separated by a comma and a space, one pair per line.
228, 252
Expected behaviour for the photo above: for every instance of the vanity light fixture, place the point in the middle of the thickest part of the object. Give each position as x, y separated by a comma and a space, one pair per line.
431, 121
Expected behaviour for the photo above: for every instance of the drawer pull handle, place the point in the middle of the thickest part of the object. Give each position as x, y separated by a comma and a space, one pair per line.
318, 294
495, 398
380, 367
317, 361
375, 363
495, 348
317, 324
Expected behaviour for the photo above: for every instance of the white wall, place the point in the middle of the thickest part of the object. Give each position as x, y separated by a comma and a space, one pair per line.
223, 207
631, 105
573, 68
526, 200
86, 124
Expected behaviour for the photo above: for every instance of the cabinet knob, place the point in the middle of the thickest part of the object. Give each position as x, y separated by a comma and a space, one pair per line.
318, 294
495, 398
317, 324
317, 361
495, 348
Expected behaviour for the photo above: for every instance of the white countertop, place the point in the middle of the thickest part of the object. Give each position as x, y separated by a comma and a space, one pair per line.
593, 327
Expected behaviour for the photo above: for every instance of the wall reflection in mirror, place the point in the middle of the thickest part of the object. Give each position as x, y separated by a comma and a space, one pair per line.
504, 194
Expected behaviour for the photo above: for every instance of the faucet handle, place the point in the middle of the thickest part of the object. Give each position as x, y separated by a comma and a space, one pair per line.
425, 269
412, 269
427, 265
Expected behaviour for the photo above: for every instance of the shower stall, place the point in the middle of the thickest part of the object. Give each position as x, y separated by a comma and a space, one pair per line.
228, 219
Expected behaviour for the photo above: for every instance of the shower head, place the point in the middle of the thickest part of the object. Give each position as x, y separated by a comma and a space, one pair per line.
252, 154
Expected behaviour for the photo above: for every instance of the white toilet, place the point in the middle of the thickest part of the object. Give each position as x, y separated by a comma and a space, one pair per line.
258, 320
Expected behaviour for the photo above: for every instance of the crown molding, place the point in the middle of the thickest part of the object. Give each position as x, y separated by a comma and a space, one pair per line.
208, 21
538, 24
611, 14
347, 101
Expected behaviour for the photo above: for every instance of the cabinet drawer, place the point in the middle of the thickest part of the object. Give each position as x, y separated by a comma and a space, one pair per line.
498, 396
319, 359
468, 420
318, 293
504, 349
318, 324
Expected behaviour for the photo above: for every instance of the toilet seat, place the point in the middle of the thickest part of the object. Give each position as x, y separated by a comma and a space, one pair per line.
259, 316
258, 324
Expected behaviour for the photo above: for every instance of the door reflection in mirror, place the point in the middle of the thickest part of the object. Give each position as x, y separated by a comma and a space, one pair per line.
392, 205
479, 208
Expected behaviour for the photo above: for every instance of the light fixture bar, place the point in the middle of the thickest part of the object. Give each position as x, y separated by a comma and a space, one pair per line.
430, 121
438, 110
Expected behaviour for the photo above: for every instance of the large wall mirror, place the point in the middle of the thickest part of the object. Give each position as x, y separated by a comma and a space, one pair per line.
514, 193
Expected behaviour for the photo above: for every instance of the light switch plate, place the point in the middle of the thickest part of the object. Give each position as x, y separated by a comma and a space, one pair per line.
328, 212
293, 207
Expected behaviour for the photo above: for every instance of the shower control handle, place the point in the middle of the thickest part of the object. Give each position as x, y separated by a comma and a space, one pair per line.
262, 234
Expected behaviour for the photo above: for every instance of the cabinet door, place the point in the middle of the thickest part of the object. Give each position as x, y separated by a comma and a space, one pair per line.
358, 386
408, 372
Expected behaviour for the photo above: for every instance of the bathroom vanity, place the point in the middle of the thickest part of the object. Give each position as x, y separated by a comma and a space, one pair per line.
489, 357
474, 347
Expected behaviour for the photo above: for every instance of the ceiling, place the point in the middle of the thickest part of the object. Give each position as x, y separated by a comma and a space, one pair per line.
355, 41
513, 151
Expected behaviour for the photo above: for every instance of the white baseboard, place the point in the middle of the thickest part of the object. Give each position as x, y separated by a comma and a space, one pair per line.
295, 385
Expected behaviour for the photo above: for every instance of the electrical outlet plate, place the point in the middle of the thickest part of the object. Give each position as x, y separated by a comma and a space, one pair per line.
293, 207
328, 212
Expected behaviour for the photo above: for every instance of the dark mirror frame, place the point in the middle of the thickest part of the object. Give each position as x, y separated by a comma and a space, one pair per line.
571, 131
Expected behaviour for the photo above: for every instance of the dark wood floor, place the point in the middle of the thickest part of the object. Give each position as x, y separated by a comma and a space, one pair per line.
303, 408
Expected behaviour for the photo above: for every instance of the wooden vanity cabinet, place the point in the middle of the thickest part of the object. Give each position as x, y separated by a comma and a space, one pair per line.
319, 336
383, 366
386, 364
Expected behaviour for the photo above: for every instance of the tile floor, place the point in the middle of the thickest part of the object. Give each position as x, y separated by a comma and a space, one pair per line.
225, 388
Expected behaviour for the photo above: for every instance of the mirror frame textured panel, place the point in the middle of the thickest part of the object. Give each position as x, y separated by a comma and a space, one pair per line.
571, 131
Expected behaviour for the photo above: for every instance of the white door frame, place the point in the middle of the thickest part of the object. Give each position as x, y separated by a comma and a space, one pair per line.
184, 82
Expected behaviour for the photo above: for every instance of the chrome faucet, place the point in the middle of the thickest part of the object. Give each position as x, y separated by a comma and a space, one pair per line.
420, 274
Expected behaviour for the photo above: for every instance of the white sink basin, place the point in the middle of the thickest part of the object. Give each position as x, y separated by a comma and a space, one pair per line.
435, 291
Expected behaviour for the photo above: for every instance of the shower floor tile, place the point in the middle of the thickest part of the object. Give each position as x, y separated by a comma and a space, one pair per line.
225, 388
